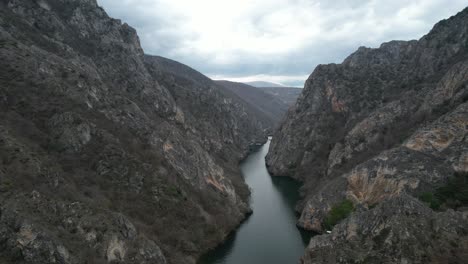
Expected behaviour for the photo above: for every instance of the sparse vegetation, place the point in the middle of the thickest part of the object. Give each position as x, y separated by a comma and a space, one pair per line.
337, 213
452, 195
6, 185
430, 199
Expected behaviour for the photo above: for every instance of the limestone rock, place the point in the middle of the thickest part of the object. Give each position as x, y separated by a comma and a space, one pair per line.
381, 128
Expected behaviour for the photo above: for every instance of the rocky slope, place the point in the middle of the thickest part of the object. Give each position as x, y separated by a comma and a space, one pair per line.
379, 130
104, 156
186, 83
265, 104
287, 95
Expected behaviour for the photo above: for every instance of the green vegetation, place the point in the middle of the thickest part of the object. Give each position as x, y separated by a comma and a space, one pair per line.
452, 195
430, 199
6, 185
174, 192
337, 213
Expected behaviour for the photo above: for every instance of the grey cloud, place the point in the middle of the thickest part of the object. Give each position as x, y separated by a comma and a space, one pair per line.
343, 27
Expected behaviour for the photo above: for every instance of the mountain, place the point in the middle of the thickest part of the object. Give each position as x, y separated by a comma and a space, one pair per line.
109, 155
380, 142
268, 105
287, 95
263, 84
193, 83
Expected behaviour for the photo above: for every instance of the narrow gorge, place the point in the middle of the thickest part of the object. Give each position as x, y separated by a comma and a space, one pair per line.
112, 155
269, 235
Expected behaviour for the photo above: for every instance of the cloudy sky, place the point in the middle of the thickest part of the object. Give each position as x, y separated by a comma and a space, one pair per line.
273, 40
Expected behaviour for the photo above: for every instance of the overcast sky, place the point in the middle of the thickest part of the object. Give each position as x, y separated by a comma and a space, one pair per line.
273, 40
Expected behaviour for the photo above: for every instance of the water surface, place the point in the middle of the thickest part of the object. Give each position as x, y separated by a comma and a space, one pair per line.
270, 234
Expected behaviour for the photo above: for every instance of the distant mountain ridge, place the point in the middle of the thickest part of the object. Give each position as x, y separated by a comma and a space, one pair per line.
271, 106
193, 82
263, 84
267, 105
287, 95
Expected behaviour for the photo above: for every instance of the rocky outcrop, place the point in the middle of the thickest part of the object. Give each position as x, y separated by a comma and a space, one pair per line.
405, 169
403, 230
386, 125
105, 156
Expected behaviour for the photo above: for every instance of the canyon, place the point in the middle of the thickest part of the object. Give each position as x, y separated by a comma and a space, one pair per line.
112, 155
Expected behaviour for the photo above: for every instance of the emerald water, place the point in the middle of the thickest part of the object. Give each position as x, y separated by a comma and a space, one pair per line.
270, 234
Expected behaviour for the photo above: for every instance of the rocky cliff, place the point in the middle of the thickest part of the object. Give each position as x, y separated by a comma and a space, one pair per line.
104, 155
380, 130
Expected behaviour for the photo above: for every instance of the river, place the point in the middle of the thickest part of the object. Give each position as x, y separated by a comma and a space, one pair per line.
270, 234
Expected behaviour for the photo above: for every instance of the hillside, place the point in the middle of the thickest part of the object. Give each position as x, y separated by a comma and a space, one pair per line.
105, 156
185, 82
381, 137
268, 105
287, 95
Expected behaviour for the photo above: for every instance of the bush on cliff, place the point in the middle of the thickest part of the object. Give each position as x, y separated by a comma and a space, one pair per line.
452, 195
337, 213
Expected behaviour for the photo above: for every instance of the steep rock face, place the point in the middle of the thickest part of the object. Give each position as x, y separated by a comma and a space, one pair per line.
348, 108
385, 125
413, 168
265, 104
405, 231
104, 156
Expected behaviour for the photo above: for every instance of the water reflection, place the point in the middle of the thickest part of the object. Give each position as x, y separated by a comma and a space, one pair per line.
289, 192
269, 235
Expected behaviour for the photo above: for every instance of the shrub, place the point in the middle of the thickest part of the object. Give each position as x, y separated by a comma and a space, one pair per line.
452, 195
337, 213
430, 199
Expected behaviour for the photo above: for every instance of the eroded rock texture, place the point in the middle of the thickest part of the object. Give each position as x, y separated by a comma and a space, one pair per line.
104, 155
384, 126
403, 230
